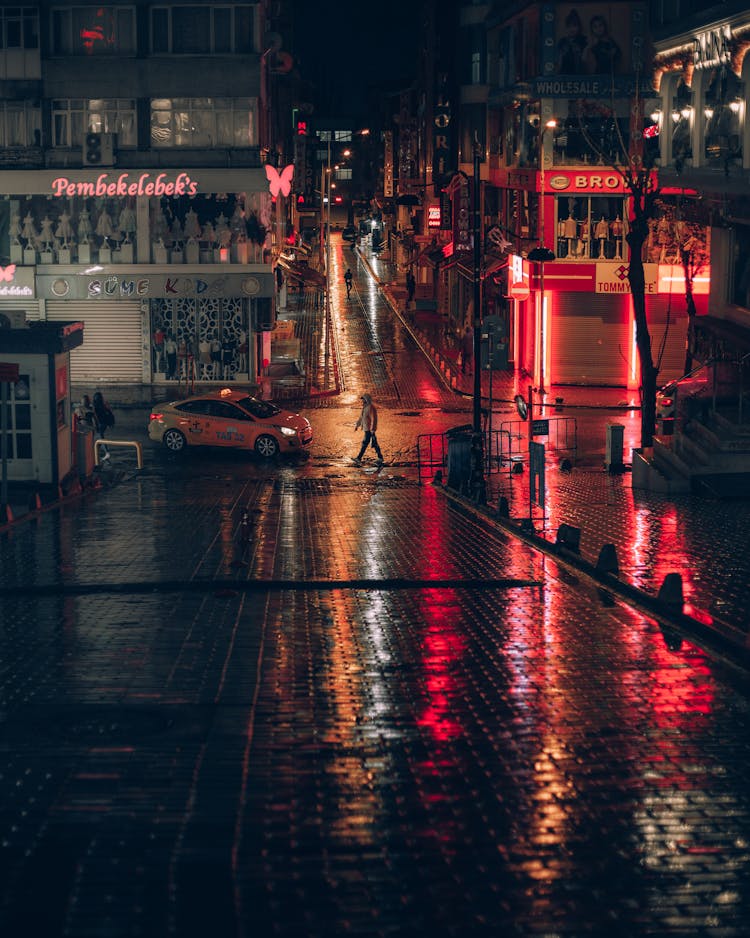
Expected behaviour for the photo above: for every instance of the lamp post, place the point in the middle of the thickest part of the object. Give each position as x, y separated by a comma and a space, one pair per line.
542, 254
478, 485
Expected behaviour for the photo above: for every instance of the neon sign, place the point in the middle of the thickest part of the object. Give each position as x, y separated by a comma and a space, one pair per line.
107, 185
279, 182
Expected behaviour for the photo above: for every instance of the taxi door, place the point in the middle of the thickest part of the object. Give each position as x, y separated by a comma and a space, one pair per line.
195, 422
230, 426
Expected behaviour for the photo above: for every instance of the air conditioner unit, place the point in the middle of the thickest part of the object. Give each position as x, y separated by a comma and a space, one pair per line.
98, 149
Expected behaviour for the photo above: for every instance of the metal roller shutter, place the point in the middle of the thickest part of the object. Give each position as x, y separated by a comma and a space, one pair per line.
672, 321
111, 351
590, 339
30, 307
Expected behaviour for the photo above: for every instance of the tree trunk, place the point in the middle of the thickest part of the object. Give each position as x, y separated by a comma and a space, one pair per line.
690, 303
636, 238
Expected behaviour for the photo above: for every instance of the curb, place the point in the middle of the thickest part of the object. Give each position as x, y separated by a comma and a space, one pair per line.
722, 640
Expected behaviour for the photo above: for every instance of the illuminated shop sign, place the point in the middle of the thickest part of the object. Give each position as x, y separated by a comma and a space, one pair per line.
712, 47
16, 281
586, 182
135, 286
124, 184
613, 278
433, 216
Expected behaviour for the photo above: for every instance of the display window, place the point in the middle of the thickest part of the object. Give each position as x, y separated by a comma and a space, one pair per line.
591, 227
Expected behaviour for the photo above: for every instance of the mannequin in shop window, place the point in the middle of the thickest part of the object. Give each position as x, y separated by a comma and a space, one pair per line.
158, 340
227, 356
601, 233
583, 241
216, 356
571, 233
242, 354
170, 350
617, 233
204, 357
663, 238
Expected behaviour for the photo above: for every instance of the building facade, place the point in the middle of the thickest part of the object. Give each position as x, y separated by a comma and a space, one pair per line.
137, 186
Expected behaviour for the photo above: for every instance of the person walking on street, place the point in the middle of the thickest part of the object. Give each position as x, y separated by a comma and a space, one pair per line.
103, 420
348, 282
411, 285
368, 420
467, 349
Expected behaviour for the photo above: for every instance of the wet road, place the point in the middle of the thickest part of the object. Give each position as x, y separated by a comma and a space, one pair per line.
362, 712
301, 700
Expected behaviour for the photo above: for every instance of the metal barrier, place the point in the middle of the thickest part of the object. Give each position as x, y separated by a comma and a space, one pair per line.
134, 443
502, 448
562, 437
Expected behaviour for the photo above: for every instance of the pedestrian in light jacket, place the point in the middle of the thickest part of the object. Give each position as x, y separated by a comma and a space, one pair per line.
368, 420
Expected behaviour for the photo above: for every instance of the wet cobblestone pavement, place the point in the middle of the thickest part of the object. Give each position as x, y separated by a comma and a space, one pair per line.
305, 700
365, 715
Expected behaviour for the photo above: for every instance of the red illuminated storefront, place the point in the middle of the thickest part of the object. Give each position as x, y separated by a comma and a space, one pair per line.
576, 327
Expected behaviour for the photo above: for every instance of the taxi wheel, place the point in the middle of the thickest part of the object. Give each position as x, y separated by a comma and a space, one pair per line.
174, 441
266, 446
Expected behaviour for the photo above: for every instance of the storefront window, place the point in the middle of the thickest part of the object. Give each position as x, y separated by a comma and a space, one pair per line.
723, 115
201, 340
591, 227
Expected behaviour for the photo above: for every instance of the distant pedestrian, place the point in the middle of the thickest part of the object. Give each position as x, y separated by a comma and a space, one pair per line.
467, 349
84, 411
411, 286
103, 420
368, 420
348, 282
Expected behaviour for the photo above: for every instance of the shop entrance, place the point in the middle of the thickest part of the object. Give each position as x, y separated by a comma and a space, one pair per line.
198, 339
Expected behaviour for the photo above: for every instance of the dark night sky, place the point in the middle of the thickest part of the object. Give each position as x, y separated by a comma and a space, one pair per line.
344, 48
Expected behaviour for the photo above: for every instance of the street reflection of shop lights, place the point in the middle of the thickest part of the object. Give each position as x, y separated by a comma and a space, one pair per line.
686, 112
708, 112
735, 106
542, 254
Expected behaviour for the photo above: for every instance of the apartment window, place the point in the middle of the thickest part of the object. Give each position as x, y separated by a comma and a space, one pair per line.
343, 173
74, 117
204, 122
93, 30
335, 136
20, 124
19, 28
198, 30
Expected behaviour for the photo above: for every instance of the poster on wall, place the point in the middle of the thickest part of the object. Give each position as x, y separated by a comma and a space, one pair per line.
589, 45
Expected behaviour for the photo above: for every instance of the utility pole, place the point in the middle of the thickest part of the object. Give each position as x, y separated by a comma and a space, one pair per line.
478, 484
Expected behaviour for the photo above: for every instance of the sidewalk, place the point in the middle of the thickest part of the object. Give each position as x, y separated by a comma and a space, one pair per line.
649, 536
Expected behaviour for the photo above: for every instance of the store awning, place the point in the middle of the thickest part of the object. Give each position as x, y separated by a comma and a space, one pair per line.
303, 273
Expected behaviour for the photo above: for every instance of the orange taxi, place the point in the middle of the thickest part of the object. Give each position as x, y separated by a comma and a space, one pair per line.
229, 419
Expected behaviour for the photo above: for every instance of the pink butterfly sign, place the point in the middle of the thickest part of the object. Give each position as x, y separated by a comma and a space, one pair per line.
279, 182
6, 273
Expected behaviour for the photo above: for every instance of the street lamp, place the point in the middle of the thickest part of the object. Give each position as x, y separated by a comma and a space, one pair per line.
542, 253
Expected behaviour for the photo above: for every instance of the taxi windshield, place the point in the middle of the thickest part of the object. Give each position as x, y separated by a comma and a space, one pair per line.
260, 409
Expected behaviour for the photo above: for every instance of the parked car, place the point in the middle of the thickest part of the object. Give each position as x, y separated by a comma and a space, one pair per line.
349, 233
229, 419
677, 401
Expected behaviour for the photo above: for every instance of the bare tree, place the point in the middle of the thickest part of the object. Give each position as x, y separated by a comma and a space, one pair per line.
639, 178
